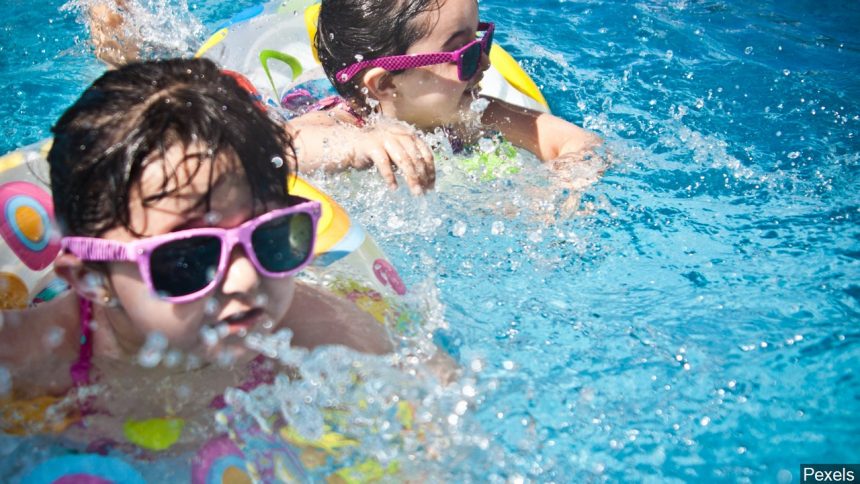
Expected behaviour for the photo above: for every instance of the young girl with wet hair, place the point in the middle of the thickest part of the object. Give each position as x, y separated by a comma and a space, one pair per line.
421, 61
177, 231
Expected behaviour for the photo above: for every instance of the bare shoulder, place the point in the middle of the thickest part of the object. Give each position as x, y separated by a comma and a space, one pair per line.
31, 334
317, 318
38, 344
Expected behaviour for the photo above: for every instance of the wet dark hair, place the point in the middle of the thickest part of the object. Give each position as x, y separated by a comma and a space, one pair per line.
366, 28
130, 117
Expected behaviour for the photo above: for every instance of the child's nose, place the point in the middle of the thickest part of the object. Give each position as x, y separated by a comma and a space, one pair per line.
241, 276
485, 61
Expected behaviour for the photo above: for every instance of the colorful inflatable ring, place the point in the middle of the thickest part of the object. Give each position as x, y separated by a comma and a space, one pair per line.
273, 46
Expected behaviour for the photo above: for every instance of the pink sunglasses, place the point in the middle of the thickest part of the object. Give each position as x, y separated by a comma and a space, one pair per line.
468, 58
183, 266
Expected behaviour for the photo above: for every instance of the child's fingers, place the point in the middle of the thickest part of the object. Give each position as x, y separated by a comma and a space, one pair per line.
383, 166
429, 164
405, 163
422, 160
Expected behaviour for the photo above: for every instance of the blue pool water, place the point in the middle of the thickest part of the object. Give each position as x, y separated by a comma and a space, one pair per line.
699, 317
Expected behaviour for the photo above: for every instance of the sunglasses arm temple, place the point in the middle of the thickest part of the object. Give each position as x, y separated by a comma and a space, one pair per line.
97, 250
395, 63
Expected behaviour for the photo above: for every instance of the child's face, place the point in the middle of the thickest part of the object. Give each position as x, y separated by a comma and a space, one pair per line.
434, 96
243, 302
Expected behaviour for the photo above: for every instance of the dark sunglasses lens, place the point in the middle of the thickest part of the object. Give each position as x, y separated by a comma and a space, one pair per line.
183, 267
487, 41
284, 243
470, 60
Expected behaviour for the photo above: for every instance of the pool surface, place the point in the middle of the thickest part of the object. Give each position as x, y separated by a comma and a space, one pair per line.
698, 316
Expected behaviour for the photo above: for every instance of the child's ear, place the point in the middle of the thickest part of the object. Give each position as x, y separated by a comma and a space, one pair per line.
87, 282
379, 83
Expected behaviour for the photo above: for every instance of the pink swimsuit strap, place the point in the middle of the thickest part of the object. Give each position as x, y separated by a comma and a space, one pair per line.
337, 101
80, 370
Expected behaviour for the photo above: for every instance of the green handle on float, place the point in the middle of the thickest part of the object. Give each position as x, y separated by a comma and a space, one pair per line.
295, 65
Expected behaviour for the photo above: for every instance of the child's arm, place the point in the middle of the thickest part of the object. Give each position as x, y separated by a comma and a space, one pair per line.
318, 318
330, 140
110, 39
547, 136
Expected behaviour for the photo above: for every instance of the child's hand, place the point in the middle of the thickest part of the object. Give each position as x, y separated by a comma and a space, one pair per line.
393, 147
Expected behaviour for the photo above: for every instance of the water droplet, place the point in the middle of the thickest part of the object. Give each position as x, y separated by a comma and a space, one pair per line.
211, 306
479, 105
212, 218
261, 300
172, 358
487, 145
152, 351
225, 358
705, 421
209, 336
277, 161
54, 337
497, 228
359, 57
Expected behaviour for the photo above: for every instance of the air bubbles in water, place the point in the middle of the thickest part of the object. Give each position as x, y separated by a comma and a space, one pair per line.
748, 50
152, 351
459, 228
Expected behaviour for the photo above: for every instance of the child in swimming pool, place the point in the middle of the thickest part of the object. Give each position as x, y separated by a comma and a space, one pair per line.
416, 61
389, 146
178, 232
421, 61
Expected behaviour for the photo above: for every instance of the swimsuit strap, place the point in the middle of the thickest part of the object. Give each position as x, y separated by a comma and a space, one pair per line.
80, 370
337, 101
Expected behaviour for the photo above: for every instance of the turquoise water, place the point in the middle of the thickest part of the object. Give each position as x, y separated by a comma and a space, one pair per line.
698, 317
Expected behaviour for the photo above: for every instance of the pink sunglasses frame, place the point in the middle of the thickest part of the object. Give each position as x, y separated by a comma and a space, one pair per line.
140, 251
411, 61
